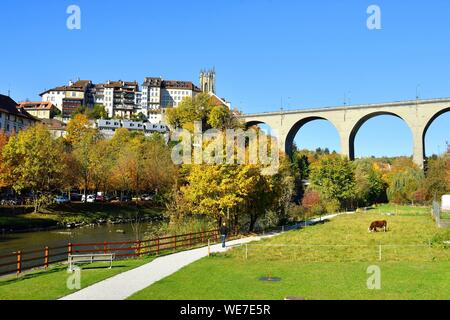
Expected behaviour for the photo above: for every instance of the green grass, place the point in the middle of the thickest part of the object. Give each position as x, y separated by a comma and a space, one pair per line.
325, 261
221, 278
23, 218
52, 284
403, 210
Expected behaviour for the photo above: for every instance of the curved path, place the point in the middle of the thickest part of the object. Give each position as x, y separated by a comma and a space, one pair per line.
126, 284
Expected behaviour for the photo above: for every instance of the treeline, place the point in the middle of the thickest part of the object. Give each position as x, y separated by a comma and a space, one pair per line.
35, 163
330, 182
311, 183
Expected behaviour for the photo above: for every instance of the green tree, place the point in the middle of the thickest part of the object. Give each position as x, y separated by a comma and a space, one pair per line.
333, 177
437, 181
369, 183
404, 184
203, 109
97, 112
221, 117
283, 189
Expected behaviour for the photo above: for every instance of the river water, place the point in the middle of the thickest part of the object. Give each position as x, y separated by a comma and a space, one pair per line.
29, 241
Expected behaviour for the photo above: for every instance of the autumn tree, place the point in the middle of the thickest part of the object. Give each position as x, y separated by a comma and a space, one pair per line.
82, 138
221, 117
33, 162
78, 128
101, 164
3, 142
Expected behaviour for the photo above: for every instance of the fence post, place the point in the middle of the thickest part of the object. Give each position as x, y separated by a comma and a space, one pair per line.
203, 236
379, 252
246, 251
190, 240
157, 246
209, 247
139, 248
46, 257
175, 242
19, 262
105, 247
69, 249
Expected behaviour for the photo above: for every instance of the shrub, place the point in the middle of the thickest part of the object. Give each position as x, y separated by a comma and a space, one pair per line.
332, 206
311, 199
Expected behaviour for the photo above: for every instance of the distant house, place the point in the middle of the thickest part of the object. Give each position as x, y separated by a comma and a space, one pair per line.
445, 203
13, 118
68, 99
56, 127
41, 109
108, 127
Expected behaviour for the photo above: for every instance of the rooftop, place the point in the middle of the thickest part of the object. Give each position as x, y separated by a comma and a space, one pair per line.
170, 84
79, 85
8, 105
40, 105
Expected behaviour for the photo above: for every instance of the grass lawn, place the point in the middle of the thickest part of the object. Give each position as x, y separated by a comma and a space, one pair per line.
325, 261
23, 218
52, 284
403, 210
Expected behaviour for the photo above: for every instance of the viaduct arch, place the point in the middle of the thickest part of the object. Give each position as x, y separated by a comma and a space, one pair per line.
417, 114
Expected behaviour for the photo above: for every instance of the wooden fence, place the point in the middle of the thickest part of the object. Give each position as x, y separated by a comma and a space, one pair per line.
20, 261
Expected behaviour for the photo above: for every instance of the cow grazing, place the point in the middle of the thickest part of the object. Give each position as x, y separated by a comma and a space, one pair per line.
378, 224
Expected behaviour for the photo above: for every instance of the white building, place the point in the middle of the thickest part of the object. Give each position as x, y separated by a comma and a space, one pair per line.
155, 118
108, 127
161, 94
68, 99
118, 97
12, 117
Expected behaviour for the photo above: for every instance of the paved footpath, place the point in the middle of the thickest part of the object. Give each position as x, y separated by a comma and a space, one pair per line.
128, 283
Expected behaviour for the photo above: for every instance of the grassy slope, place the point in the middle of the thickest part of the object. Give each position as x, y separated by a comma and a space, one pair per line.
51, 284
410, 270
22, 218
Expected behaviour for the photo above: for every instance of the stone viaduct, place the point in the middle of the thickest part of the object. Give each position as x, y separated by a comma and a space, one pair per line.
417, 114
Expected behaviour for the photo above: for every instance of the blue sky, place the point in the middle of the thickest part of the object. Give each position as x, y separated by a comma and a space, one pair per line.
306, 53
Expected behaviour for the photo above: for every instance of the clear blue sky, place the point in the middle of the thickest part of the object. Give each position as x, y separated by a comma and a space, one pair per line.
310, 53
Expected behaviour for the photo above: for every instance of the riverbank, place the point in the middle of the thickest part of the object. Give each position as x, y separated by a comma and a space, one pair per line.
72, 215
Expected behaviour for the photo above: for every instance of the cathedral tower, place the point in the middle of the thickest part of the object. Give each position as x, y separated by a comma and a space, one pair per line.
208, 81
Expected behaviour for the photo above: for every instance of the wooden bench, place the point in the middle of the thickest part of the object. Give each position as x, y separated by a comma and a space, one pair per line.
90, 258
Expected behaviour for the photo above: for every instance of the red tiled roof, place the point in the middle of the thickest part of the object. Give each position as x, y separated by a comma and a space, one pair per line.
41, 105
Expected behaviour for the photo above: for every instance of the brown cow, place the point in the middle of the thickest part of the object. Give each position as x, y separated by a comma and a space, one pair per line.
378, 224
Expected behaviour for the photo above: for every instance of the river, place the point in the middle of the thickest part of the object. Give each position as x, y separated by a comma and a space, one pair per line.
28, 241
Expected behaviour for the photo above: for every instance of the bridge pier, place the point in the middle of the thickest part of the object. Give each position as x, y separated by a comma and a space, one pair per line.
418, 146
